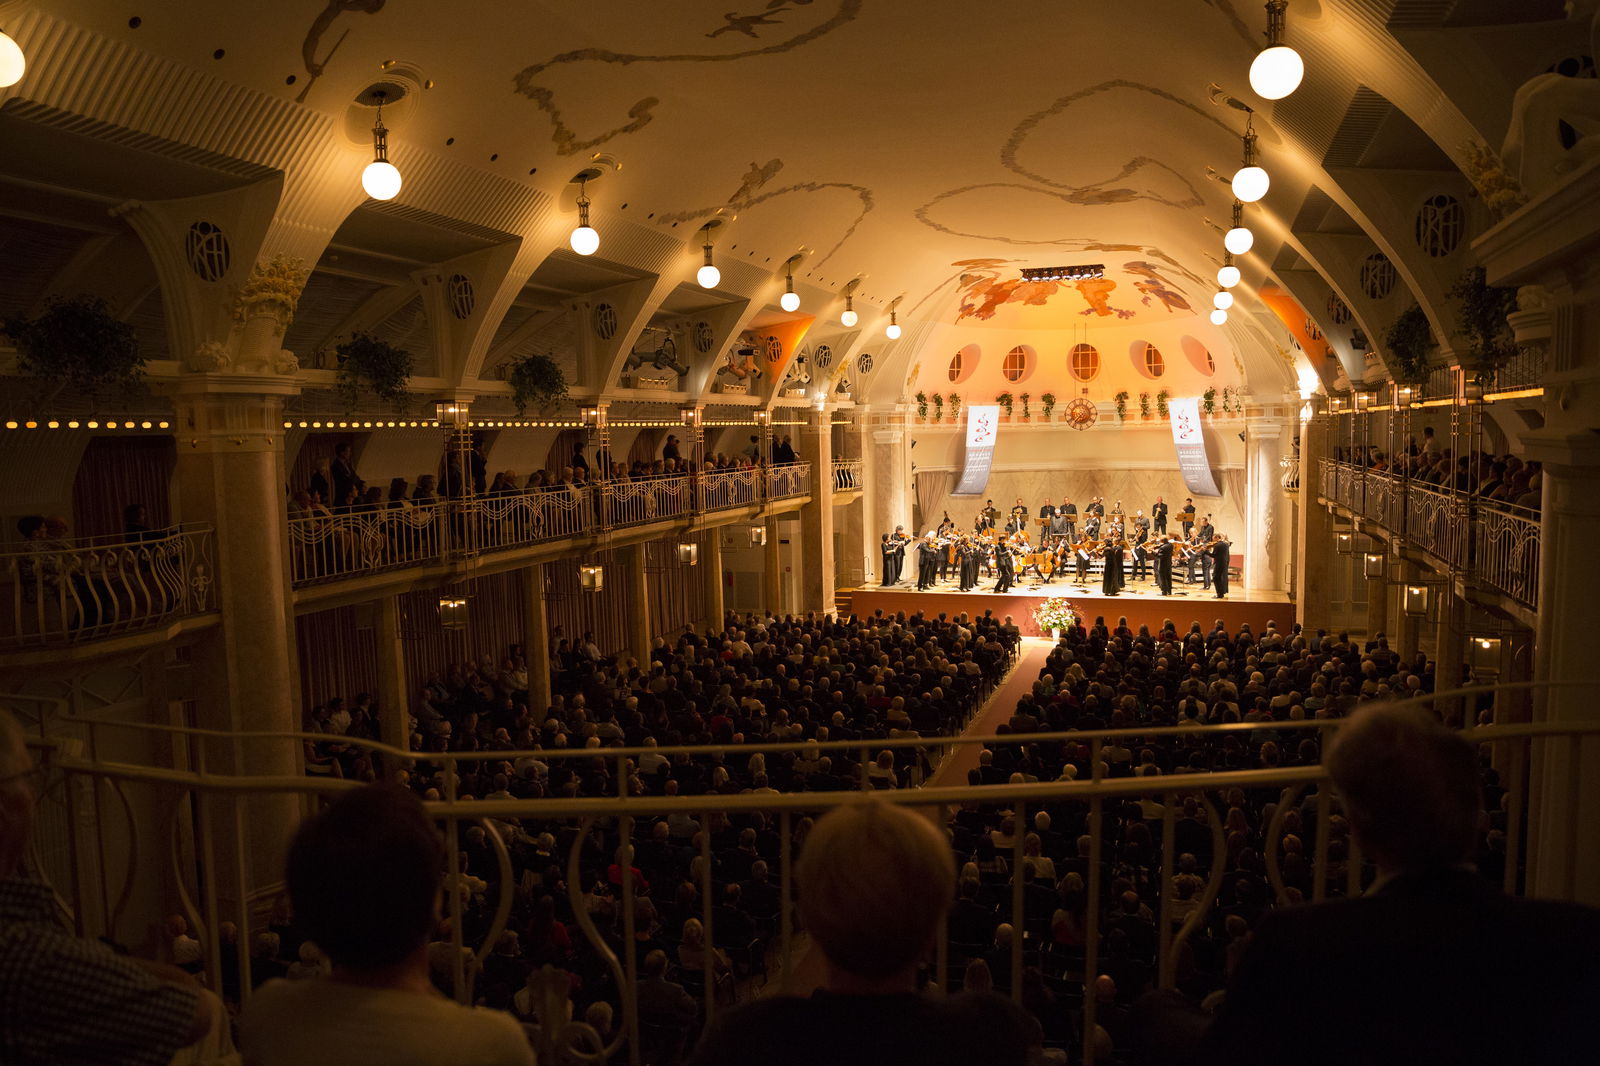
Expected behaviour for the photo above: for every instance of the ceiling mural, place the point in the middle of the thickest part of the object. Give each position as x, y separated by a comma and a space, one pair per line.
321, 25
984, 286
567, 140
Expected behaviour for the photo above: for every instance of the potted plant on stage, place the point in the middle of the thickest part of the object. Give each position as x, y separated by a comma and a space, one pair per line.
955, 407
380, 367
1054, 615
1122, 406
922, 406
1208, 401
1049, 402
1161, 403
536, 380
1006, 402
78, 344
1027, 413
1144, 406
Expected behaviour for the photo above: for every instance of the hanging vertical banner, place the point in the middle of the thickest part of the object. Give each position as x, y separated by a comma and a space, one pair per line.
983, 424
1193, 462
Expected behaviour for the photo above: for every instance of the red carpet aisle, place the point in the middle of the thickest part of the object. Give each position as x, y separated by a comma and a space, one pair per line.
1016, 685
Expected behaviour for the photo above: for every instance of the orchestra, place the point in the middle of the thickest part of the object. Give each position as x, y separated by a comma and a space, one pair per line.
1130, 549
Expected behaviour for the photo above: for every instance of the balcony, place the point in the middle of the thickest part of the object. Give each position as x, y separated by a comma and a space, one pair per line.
325, 548
1492, 543
847, 475
64, 592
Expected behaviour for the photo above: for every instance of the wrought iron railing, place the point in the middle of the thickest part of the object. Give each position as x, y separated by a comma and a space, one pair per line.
721, 489
210, 811
1290, 478
1495, 544
649, 499
846, 474
791, 479
64, 591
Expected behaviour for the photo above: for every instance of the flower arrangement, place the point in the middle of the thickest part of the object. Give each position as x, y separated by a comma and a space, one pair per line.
273, 286
1501, 191
922, 404
1056, 612
1144, 405
955, 407
1049, 402
1006, 402
1027, 413
938, 407
1161, 403
1208, 400
536, 379
1122, 406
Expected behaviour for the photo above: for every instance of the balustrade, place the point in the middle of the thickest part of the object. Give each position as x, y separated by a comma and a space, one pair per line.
789, 480
846, 474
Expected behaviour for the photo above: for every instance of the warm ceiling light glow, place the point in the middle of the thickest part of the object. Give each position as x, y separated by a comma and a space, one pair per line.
849, 318
1228, 276
1218, 317
584, 240
893, 332
708, 276
1277, 71
790, 300
1223, 300
380, 179
1250, 184
13, 64
1238, 240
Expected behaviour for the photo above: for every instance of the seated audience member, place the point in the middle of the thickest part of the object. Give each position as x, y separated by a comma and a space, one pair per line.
364, 878
67, 1000
1433, 964
874, 885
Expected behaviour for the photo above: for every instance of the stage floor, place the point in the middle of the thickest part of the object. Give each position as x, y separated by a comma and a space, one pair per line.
1139, 601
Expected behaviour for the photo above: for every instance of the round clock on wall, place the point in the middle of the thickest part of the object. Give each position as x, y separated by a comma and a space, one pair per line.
1081, 414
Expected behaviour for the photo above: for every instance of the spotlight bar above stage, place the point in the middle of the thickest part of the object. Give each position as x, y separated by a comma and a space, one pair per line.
1064, 273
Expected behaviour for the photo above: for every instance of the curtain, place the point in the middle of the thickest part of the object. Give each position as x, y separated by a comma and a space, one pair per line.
117, 471
932, 487
338, 656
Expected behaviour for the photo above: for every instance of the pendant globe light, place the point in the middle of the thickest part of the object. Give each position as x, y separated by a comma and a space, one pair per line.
1223, 300
849, 318
1218, 317
1250, 182
708, 275
1228, 276
13, 64
584, 239
892, 331
1278, 69
790, 300
381, 179
1239, 239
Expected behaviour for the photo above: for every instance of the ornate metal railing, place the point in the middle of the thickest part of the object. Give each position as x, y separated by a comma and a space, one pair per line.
208, 837
738, 487
326, 546
791, 479
646, 500
64, 591
1290, 478
520, 519
846, 474
1495, 544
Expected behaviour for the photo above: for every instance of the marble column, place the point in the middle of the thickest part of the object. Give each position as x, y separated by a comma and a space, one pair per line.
887, 488
1565, 793
817, 517
1377, 605
713, 578
1266, 444
1450, 651
1314, 538
772, 571
536, 642
639, 625
1402, 626
394, 691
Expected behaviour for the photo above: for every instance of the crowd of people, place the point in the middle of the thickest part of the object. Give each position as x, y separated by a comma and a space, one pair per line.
1501, 479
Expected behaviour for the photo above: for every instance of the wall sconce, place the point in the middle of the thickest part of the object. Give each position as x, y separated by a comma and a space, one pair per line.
1374, 565
688, 553
590, 417
1365, 399
1483, 655
452, 412
591, 578
1472, 388
1345, 543
1416, 601
758, 536
1403, 395
763, 418
690, 416
453, 612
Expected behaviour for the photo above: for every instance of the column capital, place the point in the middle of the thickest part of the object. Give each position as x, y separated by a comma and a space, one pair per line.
231, 412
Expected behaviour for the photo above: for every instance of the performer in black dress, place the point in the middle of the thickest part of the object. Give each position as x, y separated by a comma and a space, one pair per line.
1164, 566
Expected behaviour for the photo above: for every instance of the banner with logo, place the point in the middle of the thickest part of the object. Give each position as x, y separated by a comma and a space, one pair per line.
983, 424
1190, 440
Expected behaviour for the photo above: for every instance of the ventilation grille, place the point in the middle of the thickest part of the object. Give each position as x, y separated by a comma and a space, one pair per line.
1362, 117
1420, 14
53, 118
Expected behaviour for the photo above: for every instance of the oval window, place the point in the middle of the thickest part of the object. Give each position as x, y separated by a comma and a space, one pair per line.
1016, 366
1084, 361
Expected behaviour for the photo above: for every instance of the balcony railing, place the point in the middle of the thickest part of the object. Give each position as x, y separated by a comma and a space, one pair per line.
1290, 478
214, 807
329, 547
1493, 543
846, 474
64, 591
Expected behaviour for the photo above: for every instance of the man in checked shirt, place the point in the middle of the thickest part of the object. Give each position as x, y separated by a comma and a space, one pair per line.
64, 999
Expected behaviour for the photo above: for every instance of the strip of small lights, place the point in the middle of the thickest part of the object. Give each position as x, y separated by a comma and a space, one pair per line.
86, 424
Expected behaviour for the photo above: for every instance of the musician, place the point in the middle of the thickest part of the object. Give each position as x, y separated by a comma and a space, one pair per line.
1070, 510
1186, 517
1140, 521
1060, 528
1095, 507
1221, 556
1091, 525
1081, 554
897, 555
947, 525
1111, 573
886, 551
1047, 510
1019, 517
1158, 515
1164, 551
1141, 558
1205, 535
947, 543
927, 562
987, 516
1005, 566
967, 554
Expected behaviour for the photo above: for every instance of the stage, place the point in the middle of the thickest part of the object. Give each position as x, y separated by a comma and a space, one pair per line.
1140, 601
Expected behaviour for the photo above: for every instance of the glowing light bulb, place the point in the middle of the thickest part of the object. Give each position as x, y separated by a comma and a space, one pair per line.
1228, 276
1250, 184
381, 180
1276, 72
1238, 240
789, 301
893, 332
1223, 300
13, 64
584, 240
708, 276
1218, 317
849, 318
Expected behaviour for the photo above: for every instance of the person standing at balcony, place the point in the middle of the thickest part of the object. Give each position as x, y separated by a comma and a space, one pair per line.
364, 876
670, 449
64, 999
875, 883
783, 452
343, 472
1433, 964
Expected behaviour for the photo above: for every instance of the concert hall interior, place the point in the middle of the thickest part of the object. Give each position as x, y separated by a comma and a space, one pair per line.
485, 378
